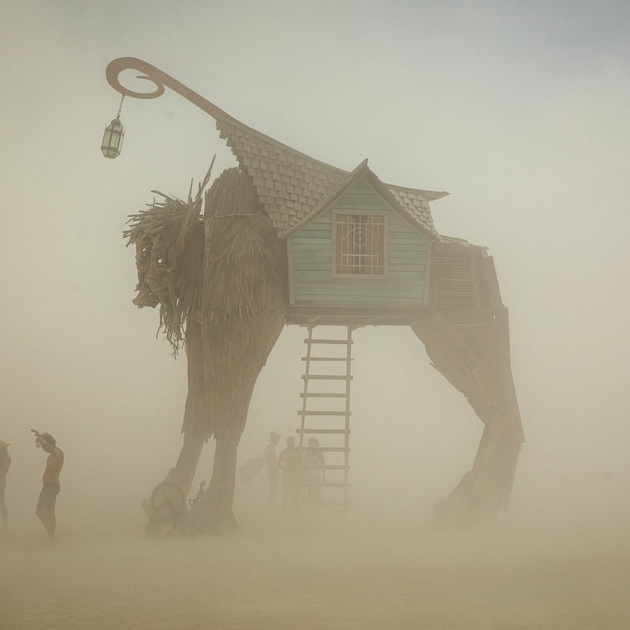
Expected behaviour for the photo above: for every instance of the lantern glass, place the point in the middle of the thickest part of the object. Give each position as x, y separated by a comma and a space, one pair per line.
112, 139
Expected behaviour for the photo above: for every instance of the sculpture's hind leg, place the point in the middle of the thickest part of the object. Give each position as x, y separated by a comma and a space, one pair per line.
467, 340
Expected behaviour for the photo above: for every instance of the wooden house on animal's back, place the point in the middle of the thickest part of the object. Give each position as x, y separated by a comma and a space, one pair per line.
359, 251
361, 256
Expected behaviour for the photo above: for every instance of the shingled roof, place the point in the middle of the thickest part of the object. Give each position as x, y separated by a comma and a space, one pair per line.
292, 185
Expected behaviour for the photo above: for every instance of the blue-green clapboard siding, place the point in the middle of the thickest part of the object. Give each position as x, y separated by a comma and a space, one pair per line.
311, 260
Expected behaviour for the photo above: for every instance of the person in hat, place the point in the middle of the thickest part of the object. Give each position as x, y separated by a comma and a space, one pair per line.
5, 463
48, 497
314, 470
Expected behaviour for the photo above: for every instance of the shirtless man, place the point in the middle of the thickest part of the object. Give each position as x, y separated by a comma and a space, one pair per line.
46, 504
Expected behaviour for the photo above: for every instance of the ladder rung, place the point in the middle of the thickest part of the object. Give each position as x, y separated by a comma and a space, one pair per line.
325, 359
328, 449
341, 502
328, 467
326, 484
345, 342
326, 377
328, 431
324, 413
307, 395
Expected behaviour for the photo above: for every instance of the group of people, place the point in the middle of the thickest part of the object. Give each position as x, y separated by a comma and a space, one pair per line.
45, 509
295, 466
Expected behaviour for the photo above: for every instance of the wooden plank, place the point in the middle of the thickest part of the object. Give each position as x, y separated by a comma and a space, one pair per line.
427, 274
325, 413
359, 203
404, 246
402, 227
318, 231
356, 201
345, 342
403, 230
324, 377
313, 313
385, 303
322, 219
324, 238
405, 274
390, 297
311, 241
314, 266
342, 502
302, 254
290, 273
327, 467
327, 484
327, 449
400, 256
324, 431
365, 286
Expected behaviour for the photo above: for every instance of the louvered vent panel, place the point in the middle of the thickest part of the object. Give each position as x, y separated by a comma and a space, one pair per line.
453, 281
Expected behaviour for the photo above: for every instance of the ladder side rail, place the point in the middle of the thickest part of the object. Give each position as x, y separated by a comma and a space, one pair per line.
307, 367
347, 426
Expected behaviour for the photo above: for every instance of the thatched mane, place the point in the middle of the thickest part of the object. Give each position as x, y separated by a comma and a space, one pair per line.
169, 240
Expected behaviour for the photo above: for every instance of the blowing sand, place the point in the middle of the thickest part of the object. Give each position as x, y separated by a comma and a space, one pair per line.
294, 573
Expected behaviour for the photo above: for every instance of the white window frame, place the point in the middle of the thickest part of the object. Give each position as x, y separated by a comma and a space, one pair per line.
335, 241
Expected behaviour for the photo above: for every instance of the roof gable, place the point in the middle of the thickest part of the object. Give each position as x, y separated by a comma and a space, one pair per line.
361, 173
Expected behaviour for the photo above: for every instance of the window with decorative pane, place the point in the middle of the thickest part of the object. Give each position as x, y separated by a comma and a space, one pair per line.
360, 241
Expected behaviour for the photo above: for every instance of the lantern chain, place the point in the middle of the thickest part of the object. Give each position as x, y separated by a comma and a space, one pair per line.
122, 98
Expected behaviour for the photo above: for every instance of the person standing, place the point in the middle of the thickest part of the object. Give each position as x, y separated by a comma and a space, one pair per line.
314, 470
48, 496
271, 461
5, 463
289, 463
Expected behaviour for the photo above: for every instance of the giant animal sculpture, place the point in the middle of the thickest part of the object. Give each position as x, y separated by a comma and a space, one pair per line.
230, 267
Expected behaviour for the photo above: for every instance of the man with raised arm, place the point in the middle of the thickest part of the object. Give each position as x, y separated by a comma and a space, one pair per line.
46, 504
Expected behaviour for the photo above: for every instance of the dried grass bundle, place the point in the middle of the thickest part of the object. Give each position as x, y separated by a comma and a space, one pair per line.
243, 308
169, 244
243, 313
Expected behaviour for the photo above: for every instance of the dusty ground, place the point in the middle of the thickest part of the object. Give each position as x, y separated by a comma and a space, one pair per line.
289, 574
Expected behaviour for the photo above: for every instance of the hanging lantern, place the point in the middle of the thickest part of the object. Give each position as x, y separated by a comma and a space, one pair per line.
113, 136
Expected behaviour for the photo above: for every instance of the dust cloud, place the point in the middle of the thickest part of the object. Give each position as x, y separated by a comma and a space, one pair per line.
310, 571
559, 559
519, 111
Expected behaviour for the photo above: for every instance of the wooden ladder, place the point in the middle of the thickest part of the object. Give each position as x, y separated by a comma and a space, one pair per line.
325, 415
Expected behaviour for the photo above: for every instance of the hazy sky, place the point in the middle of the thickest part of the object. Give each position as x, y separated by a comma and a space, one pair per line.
518, 109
